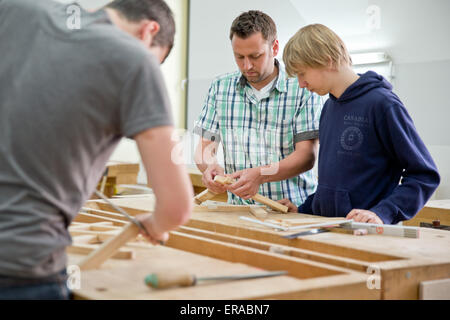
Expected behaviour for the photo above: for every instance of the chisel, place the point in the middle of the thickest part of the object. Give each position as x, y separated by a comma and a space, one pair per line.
166, 280
125, 214
305, 233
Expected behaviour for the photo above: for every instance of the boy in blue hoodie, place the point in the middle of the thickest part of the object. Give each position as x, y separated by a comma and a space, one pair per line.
373, 166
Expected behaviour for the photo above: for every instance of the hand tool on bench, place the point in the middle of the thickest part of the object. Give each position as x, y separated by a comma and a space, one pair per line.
165, 280
257, 197
305, 233
123, 212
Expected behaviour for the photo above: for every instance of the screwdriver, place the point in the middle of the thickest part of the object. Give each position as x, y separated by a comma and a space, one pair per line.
164, 280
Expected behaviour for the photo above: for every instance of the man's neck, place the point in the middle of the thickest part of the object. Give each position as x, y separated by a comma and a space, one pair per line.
266, 81
345, 77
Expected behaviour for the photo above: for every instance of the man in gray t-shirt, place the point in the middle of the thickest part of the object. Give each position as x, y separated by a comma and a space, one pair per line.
68, 94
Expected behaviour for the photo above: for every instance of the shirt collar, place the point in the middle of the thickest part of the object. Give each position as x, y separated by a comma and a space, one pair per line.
280, 84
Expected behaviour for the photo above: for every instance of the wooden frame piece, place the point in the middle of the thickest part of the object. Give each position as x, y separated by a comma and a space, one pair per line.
109, 248
257, 197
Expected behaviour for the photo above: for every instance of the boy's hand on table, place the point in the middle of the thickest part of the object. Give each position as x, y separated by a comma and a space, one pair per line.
291, 207
360, 215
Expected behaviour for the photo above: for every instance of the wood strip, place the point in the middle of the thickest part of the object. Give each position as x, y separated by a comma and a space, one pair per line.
85, 249
301, 243
109, 248
90, 218
104, 213
279, 249
257, 197
296, 267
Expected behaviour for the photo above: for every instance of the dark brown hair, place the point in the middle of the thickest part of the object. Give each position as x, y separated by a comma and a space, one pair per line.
155, 10
251, 22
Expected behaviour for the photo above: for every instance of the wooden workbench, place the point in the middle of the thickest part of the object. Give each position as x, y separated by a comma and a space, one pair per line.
434, 210
321, 266
118, 173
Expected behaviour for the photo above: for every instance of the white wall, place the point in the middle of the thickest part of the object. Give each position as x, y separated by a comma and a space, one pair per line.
415, 33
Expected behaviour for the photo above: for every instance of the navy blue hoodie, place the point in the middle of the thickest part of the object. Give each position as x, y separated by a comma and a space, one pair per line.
368, 142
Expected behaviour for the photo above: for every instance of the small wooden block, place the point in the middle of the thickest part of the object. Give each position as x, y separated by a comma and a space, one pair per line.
224, 180
258, 212
435, 290
203, 196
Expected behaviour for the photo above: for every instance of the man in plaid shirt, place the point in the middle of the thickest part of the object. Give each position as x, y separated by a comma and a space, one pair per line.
268, 125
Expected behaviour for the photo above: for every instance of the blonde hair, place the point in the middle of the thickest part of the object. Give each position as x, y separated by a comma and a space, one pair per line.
314, 46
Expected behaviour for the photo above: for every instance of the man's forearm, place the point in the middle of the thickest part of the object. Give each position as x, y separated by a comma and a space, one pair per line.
293, 165
205, 154
282, 170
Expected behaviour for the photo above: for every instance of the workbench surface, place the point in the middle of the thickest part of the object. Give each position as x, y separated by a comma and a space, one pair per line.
327, 265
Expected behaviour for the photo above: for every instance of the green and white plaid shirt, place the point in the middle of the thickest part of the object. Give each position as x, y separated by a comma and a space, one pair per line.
258, 133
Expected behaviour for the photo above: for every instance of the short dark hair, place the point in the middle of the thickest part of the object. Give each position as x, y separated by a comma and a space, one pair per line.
251, 22
155, 10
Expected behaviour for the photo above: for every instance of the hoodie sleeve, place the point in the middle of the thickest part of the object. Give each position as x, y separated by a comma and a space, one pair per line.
420, 176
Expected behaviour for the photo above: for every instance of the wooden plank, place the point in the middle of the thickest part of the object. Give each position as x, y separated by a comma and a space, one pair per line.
116, 168
435, 290
109, 248
257, 197
296, 267
105, 213
258, 212
86, 249
91, 218
301, 243
128, 178
196, 177
354, 264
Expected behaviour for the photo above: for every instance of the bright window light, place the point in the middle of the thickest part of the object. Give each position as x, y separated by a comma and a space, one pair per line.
379, 62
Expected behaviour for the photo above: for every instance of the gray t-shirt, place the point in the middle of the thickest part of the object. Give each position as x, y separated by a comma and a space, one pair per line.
66, 99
